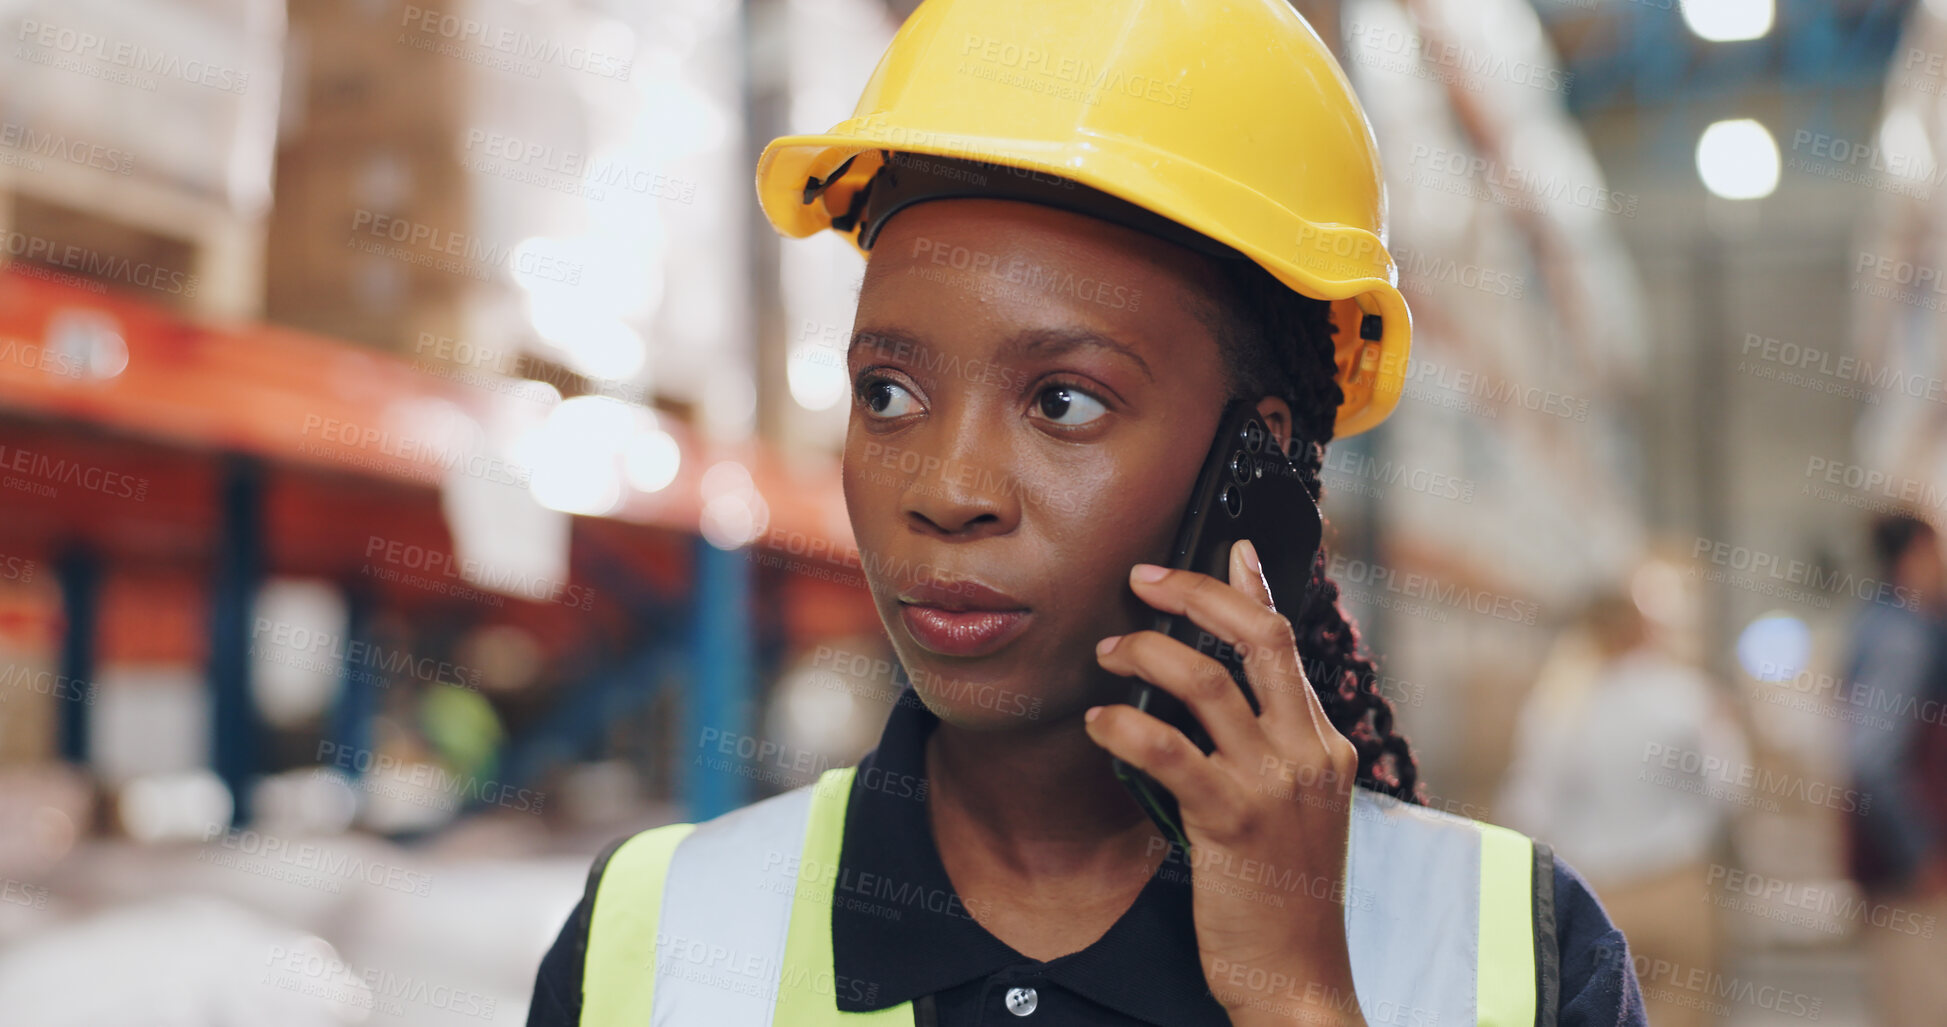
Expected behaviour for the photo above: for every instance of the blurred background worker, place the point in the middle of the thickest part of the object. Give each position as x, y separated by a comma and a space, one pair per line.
1627, 759
1897, 671
419, 460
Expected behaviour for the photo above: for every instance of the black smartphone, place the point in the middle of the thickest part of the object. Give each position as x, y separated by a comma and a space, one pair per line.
1248, 489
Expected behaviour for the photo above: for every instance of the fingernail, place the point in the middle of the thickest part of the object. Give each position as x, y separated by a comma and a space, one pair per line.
1149, 573
1107, 645
1250, 556
1093, 712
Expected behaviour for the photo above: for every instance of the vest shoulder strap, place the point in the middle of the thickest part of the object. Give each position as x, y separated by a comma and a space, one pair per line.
727, 922
618, 973
1440, 916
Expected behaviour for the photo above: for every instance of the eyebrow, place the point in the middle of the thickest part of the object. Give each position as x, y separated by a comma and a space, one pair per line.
883, 339
1045, 343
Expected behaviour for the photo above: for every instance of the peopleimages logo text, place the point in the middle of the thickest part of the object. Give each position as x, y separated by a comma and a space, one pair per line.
433, 561
79, 43
1035, 60
1798, 572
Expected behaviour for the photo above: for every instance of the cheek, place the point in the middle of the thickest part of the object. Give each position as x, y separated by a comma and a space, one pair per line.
1104, 516
863, 496
870, 478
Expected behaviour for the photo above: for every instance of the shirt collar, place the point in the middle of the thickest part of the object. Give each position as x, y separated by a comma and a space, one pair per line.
898, 926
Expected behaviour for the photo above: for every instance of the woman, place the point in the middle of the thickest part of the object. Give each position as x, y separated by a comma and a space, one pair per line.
1044, 342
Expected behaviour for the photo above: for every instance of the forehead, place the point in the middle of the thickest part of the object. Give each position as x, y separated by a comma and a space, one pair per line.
1006, 265
1022, 230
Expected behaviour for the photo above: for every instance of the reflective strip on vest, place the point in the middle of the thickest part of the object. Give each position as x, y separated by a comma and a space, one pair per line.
1438, 916
617, 985
729, 923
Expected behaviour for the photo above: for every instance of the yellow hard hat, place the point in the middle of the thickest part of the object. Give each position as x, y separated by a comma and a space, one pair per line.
1231, 119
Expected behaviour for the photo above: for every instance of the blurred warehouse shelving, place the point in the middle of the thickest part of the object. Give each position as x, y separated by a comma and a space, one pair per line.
1901, 250
441, 423
1526, 351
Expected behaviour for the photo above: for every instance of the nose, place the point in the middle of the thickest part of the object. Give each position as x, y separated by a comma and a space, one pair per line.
965, 488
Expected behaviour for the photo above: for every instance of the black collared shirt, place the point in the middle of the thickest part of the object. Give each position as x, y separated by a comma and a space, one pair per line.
910, 944
901, 932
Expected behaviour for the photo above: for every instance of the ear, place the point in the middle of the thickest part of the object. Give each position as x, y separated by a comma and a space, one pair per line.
1277, 417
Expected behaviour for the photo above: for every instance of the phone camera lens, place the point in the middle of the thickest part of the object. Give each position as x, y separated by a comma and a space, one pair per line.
1234, 500
1240, 467
1253, 436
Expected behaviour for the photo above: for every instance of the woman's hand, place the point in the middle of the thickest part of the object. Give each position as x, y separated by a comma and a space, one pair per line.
1268, 813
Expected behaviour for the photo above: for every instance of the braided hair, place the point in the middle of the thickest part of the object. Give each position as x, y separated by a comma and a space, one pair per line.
1277, 342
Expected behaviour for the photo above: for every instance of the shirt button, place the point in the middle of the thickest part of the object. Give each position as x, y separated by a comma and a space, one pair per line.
1021, 1001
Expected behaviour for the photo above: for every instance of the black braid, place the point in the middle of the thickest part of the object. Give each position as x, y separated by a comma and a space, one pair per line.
1277, 342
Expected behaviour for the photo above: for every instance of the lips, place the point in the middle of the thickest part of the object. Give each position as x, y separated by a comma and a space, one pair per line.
962, 618
960, 594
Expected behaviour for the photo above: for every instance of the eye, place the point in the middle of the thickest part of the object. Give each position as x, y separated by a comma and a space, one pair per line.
886, 398
1068, 405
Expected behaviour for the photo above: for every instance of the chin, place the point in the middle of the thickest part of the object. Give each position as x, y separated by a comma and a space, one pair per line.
967, 698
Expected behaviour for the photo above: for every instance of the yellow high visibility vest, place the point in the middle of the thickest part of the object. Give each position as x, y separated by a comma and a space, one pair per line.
728, 923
